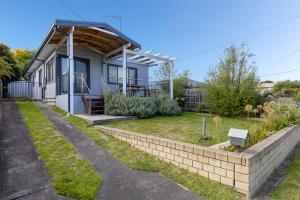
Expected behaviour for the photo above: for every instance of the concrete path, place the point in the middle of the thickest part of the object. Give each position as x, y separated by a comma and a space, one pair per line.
22, 173
120, 182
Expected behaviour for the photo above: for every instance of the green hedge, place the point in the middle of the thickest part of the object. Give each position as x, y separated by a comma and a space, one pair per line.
142, 107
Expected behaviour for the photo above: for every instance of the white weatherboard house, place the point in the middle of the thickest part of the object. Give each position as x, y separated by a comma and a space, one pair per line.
78, 61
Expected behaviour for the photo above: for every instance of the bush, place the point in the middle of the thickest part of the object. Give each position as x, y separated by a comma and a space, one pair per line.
142, 107
231, 84
274, 118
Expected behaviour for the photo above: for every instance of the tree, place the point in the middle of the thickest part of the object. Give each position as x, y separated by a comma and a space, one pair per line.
180, 80
23, 57
8, 69
286, 88
231, 84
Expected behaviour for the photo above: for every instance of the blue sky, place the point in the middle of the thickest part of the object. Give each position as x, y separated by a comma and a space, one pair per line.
180, 28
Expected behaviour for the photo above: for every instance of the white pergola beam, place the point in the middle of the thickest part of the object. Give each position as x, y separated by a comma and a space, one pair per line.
147, 55
142, 59
133, 57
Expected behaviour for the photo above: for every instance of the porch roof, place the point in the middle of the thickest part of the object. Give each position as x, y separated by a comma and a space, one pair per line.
99, 37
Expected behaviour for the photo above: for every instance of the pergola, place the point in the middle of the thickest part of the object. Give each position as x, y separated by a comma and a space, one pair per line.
147, 58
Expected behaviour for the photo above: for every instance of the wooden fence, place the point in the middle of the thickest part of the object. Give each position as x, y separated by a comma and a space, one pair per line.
194, 99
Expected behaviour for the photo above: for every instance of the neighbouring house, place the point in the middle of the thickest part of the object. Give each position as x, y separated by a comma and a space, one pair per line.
78, 61
264, 88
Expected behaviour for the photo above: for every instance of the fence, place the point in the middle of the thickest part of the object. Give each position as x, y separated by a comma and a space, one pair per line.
20, 89
194, 99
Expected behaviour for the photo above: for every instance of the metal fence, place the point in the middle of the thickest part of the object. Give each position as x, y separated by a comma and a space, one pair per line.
20, 89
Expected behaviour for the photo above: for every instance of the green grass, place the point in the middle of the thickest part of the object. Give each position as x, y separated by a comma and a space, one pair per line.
186, 127
290, 187
139, 160
71, 175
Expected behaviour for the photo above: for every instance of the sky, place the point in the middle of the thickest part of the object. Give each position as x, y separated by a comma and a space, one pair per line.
196, 32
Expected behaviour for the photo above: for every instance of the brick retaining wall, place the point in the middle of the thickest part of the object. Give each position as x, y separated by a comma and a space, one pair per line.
246, 171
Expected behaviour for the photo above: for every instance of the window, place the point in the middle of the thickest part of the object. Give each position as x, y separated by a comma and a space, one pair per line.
81, 66
40, 77
115, 75
64, 76
50, 71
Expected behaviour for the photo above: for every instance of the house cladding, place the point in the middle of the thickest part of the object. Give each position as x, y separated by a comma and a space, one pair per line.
246, 172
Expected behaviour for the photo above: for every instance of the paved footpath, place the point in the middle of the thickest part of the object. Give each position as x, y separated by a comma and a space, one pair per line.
120, 182
22, 174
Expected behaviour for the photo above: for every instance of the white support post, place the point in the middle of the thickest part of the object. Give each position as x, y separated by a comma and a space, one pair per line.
71, 71
124, 70
171, 79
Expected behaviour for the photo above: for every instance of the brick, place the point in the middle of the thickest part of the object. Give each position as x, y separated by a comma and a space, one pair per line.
193, 169
184, 154
167, 150
241, 177
220, 171
179, 147
144, 139
197, 165
241, 169
198, 151
214, 162
208, 168
170, 156
229, 174
140, 143
183, 166
172, 145
214, 177
221, 156
163, 143
175, 152
189, 149
159, 148
178, 159
155, 141
152, 146
193, 156
155, 152
234, 158
203, 159
163, 154
209, 153
227, 181
203, 173
241, 186
145, 144
188, 162
227, 165
148, 150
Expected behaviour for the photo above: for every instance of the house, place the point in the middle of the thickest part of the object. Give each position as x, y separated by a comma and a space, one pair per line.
78, 61
266, 87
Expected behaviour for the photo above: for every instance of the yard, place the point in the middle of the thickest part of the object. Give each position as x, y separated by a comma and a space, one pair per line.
187, 127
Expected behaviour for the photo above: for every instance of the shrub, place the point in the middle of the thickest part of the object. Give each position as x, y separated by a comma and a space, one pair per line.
275, 117
143, 107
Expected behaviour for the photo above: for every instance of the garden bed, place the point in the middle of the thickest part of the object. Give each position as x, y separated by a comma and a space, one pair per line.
186, 127
246, 171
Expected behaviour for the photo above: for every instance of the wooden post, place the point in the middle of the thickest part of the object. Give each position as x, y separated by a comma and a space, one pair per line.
124, 70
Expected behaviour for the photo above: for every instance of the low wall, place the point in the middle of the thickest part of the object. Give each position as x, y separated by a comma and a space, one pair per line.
245, 172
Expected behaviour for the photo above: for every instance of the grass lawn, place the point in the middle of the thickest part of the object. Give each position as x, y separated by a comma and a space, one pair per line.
186, 127
290, 187
139, 160
71, 175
